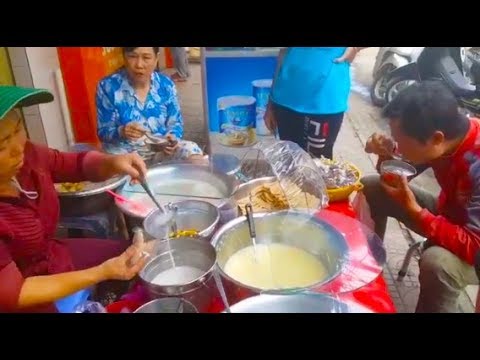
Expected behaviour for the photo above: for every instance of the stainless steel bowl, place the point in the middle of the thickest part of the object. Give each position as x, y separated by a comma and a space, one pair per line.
183, 252
191, 215
398, 167
294, 228
298, 303
164, 180
245, 189
167, 306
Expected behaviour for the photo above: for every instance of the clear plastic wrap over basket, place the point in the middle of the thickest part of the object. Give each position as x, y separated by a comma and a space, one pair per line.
296, 174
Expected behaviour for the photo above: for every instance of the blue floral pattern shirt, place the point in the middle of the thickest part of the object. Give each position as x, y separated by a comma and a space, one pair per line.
117, 105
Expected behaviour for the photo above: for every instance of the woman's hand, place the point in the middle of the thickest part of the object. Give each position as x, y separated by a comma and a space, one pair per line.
348, 56
133, 131
128, 164
269, 118
173, 145
125, 266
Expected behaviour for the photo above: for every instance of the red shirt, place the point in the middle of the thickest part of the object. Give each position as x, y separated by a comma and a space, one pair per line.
457, 225
27, 227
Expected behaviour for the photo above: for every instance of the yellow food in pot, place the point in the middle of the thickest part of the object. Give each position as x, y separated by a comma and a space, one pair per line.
275, 266
183, 233
71, 187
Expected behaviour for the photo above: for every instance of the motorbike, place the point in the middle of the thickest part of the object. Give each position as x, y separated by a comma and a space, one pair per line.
387, 60
472, 65
443, 64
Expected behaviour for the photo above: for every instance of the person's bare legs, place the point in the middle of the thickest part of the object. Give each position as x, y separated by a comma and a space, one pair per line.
180, 60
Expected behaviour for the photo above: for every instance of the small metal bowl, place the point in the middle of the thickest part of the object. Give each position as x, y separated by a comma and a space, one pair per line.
165, 255
398, 167
245, 189
167, 306
191, 215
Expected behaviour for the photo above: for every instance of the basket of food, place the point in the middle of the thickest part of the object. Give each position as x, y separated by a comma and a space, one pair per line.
341, 178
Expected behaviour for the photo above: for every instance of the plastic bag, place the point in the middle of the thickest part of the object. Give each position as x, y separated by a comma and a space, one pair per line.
90, 307
299, 179
362, 209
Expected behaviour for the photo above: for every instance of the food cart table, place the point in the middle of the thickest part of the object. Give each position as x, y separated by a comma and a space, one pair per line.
375, 295
372, 297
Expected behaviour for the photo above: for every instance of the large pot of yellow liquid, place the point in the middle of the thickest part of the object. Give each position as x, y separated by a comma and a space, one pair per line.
294, 251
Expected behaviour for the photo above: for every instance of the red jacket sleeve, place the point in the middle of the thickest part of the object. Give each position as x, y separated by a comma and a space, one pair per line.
11, 279
462, 240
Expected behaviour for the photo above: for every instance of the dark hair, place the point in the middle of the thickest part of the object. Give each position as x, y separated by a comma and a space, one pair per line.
426, 107
130, 49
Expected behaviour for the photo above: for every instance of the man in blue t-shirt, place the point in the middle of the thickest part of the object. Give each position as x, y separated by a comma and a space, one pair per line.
310, 96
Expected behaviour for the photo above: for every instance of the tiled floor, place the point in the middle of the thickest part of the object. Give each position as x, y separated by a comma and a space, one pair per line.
361, 120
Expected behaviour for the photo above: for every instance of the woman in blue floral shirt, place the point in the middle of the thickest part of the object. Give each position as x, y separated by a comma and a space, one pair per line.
137, 99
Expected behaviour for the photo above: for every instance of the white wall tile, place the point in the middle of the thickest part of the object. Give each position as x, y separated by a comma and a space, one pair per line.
43, 63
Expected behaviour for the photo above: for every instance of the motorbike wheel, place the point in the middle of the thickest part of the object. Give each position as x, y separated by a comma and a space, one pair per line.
379, 86
470, 108
395, 85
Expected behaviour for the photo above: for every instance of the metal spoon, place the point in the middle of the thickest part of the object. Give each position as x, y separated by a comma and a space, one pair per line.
251, 228
251, 224
150, 193
180, 307
173, 209
153, 138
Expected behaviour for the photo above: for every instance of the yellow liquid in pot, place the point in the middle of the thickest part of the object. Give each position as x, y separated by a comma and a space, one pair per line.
275, 266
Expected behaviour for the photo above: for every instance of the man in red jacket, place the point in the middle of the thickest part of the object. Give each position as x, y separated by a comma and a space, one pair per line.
429, 131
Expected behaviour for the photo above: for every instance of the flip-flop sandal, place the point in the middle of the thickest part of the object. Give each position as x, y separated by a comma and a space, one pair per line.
177, 78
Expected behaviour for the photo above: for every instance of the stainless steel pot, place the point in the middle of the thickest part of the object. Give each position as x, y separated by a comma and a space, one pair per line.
184, 252
289, 227
163, 179
191, 215
298, 303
